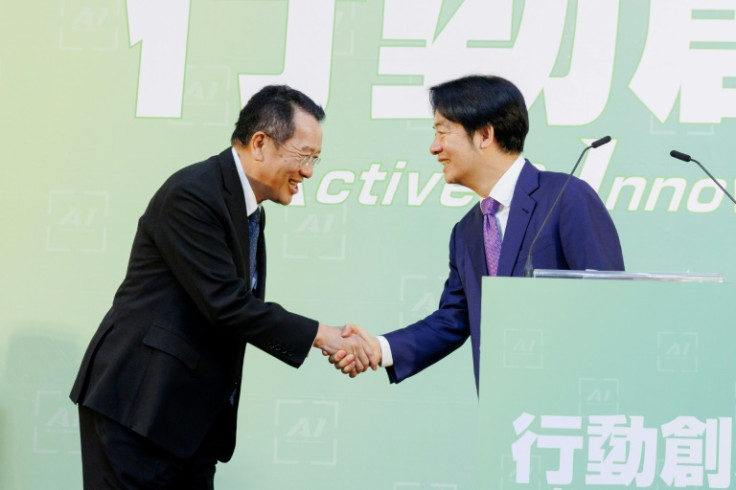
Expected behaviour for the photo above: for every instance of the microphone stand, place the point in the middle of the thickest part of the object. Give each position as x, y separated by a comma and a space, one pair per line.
528, 268
687, 158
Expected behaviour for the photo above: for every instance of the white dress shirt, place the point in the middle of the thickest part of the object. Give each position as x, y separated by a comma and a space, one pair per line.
250, 198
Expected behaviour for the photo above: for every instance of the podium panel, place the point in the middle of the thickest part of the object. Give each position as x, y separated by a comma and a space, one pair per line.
606, 383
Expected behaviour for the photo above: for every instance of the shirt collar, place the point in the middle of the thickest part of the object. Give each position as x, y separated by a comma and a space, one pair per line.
503, 191
250, 198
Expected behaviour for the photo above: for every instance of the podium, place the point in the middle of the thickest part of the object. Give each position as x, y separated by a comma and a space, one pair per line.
607, 383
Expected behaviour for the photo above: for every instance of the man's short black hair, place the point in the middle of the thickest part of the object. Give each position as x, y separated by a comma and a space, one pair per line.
271, 110
476, 101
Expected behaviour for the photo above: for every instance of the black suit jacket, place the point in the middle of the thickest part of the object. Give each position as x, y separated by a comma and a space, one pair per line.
167, 359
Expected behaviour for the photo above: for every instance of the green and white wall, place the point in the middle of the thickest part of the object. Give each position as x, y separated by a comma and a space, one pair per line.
101, 100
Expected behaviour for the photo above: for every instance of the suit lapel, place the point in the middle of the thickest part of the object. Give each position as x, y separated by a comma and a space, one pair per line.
235, 201
522, 208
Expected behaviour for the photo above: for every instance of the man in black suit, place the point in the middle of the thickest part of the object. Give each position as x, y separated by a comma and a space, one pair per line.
159, 385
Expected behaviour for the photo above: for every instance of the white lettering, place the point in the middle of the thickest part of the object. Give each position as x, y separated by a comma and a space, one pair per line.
369, 178
323, 192
162, 28
694, 202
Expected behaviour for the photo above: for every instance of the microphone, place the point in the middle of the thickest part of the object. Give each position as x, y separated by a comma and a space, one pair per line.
687, 158
528, 268
599, 142
680, 156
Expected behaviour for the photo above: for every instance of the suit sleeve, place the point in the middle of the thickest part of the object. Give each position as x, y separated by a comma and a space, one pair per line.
190, 234
588, 235
425, 342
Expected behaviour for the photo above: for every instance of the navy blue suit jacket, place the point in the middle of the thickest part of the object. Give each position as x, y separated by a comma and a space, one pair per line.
579, 235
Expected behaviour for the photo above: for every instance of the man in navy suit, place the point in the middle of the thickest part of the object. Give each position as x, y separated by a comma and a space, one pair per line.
480, 125
159, 385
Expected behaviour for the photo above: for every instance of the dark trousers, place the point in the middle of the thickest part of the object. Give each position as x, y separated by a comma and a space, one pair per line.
115, 457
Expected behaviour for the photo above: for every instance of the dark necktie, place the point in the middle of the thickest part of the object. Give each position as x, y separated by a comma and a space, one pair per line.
491, 234
254, 228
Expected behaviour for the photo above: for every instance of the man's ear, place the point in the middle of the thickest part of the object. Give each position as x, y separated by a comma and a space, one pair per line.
486, 135
257, 144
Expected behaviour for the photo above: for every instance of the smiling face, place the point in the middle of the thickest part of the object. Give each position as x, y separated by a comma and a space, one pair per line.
455, 150
280, 169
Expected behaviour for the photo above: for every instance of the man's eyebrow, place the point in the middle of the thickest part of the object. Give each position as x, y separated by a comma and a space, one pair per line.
310, 149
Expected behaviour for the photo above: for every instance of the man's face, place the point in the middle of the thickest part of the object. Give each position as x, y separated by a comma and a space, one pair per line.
282, 170
454, 150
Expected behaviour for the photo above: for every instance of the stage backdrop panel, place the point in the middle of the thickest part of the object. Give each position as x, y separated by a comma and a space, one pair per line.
101, 100
630, 384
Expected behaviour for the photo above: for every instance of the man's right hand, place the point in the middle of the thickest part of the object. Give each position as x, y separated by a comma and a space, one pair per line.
343, 360
350, 348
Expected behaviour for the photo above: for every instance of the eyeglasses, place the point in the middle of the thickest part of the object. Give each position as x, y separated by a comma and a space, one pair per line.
308, 161
305, 161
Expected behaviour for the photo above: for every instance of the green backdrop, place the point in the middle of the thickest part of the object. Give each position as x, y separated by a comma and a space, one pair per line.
102, 100
639, 397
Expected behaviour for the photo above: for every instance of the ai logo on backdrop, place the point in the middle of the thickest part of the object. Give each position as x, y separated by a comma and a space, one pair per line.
306, 432
77, 221
207, 96
318, 235
418, 297
598, 396
677, 352
89, 24
523, 348
56, 427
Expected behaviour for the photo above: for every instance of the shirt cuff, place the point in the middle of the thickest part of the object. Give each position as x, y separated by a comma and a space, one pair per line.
386, 359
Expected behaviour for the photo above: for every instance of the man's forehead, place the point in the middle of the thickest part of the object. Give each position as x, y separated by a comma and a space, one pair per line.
439, 120
308, 148
307, 132
304, 142
442, 122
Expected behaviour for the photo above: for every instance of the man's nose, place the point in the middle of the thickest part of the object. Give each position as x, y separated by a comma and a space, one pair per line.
306, 171
435, 147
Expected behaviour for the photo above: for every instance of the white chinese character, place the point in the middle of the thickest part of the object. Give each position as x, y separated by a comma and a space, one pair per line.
566, 444
618, 454
521, 449
308, 54
581, 96
688, 54
692, 446
456, 43
162, 28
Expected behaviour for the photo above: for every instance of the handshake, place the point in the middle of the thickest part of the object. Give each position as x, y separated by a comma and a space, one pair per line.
351, 349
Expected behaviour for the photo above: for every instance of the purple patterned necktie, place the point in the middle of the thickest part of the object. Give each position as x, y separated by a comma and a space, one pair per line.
491, 234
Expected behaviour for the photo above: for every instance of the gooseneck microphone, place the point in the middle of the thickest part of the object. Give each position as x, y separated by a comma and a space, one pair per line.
680, 156
528, 268
688, 158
